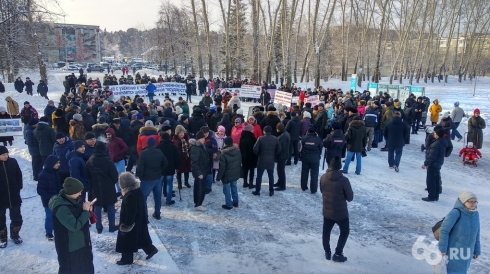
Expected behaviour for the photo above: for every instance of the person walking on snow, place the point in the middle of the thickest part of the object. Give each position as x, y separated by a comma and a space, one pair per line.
456, 115
397, 134
230, 163
476, 124
336, 192
434, 110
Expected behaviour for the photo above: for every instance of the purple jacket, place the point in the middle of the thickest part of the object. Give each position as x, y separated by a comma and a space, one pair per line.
305, 123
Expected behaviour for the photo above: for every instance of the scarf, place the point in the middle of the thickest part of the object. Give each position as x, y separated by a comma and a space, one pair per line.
185, 147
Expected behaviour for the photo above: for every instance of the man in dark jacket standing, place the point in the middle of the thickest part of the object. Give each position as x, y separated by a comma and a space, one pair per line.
334, 143
336, 192
173, 155
42, 89
19, 85
310, 159
76, 165
230, 164
71, 227
265, 97
321, 120
271, 119
10, 185
266, 148
293, 127
134, 131
33, 147
285, 140
46, 137
61, 148
370, 121
201, 165
397, 134
434, 159
418, 108
49, 185
102, 175
356, 141
151, 165
117, 151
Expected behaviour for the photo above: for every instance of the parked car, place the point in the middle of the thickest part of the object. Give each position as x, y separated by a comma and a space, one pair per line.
96, 68
71, 68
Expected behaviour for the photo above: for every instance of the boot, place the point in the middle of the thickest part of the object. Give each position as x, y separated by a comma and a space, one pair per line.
3, 238
186, 180
179, 181
14, 234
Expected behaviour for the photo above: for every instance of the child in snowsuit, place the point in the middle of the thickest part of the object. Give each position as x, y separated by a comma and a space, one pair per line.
470, 153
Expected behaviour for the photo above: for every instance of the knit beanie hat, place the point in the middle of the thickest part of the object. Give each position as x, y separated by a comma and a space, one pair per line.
476, 111
72, 186
78, 144
239, 111
465, 196
335, 163
440, 132
200, 135
33, 121
248, 127
100, 147
306, 114
312, 129
3, 109
151, 142
164, 136
336, 125
77, 117
228, 141
60, 135
102, 119
3, 150
456, 104
89, 135
149, 123
221, 129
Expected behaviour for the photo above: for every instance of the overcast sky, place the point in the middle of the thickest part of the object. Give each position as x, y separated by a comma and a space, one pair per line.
112, 15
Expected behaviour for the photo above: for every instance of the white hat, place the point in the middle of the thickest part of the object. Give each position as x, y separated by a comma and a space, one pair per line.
466, 195
445, 115
149, 123
239, 111
306, 114
3, 109
470, 144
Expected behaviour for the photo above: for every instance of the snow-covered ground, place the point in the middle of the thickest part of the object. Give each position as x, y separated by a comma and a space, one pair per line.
282, 234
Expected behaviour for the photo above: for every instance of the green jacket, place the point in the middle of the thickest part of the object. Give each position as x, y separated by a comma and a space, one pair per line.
70, 223
208, 101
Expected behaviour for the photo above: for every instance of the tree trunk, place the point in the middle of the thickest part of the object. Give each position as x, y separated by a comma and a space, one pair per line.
198, 46
206, 28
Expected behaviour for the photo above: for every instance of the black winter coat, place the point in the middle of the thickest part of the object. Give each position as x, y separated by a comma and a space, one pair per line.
46, 138
247, 142
10, 183
285, 140
312, 148
266, 148
230, 164
356, 136
294, 128
125, 132
336, 192
88, 121
434, 157
335, 145
196, 121
447, 125
201, 162
396, 133
134, 132
213, 121
173, 156
102, 174
271, 119
133, 228
151, 164
225, 122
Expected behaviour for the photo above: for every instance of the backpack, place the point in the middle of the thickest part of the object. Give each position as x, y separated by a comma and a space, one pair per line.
437, 227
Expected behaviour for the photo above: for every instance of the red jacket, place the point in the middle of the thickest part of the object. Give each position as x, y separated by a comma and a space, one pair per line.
257, 131
470, 151
145, 134
116, 146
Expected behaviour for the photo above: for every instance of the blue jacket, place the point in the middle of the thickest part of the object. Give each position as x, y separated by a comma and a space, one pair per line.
461, 234
61, 151
48, 111
31, 142
49, 182
76, 164
151, 88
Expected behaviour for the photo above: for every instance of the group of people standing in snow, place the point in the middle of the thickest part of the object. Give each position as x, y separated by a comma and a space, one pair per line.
85, 150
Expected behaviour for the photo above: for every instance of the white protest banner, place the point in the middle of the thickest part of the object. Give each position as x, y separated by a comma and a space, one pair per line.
250, 91
294, 100
283, 98
131, 90
313, 100
11, 127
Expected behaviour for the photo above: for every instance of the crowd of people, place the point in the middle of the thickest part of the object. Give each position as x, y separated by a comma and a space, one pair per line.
86, 151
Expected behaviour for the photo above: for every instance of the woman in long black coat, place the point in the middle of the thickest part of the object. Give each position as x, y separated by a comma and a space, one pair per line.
226, 123
133, 231
102, 174
249, 158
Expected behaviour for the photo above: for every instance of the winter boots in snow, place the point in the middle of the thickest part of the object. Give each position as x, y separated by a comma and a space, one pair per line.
14, 234
3, 238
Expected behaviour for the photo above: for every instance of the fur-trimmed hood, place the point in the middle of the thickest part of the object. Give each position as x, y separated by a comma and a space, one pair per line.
149, 128
271, 113
128, 182
356, 123
100, 126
